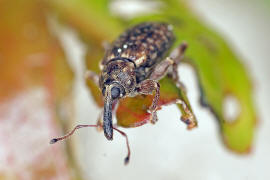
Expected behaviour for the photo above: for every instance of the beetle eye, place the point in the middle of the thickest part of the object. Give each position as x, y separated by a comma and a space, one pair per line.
115, 92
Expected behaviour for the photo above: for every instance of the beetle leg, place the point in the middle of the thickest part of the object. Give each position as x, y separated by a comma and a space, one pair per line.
147, 87
91, 75
161, 69
172, 61
188, 118
177, 55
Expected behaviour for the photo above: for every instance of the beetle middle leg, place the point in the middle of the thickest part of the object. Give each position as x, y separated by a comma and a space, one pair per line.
147, 87
169, 66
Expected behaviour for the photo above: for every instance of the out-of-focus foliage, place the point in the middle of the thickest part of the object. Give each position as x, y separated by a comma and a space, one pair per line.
220, 72
267, 2
37, 80
35, 87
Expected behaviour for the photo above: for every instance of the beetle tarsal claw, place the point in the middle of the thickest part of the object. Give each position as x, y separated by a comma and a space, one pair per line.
189, 121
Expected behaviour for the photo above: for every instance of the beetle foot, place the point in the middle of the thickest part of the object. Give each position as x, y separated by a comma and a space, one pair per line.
189, 121
187, 116
153, 117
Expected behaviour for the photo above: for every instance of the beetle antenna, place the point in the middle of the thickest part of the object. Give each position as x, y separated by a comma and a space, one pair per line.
126, 160
54, 140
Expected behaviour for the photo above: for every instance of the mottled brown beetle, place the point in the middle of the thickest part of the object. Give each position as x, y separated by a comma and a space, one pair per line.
133, 65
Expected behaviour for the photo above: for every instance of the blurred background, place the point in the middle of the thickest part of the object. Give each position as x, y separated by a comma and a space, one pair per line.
43, 94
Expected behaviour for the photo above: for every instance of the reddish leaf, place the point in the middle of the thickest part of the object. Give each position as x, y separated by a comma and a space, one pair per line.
36, 84
132, 112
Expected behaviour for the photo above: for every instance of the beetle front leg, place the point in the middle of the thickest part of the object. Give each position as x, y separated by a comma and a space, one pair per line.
147, 87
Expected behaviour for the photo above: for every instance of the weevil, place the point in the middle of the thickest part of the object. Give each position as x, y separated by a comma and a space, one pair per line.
133, 65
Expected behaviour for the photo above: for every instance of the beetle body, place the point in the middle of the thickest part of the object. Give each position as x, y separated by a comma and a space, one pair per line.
133, 65
131, 60
143, 46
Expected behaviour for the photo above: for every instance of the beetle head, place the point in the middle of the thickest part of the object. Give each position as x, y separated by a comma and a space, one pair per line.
120, 72
116, 81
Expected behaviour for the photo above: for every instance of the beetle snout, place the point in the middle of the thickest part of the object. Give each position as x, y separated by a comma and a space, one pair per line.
108, 132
